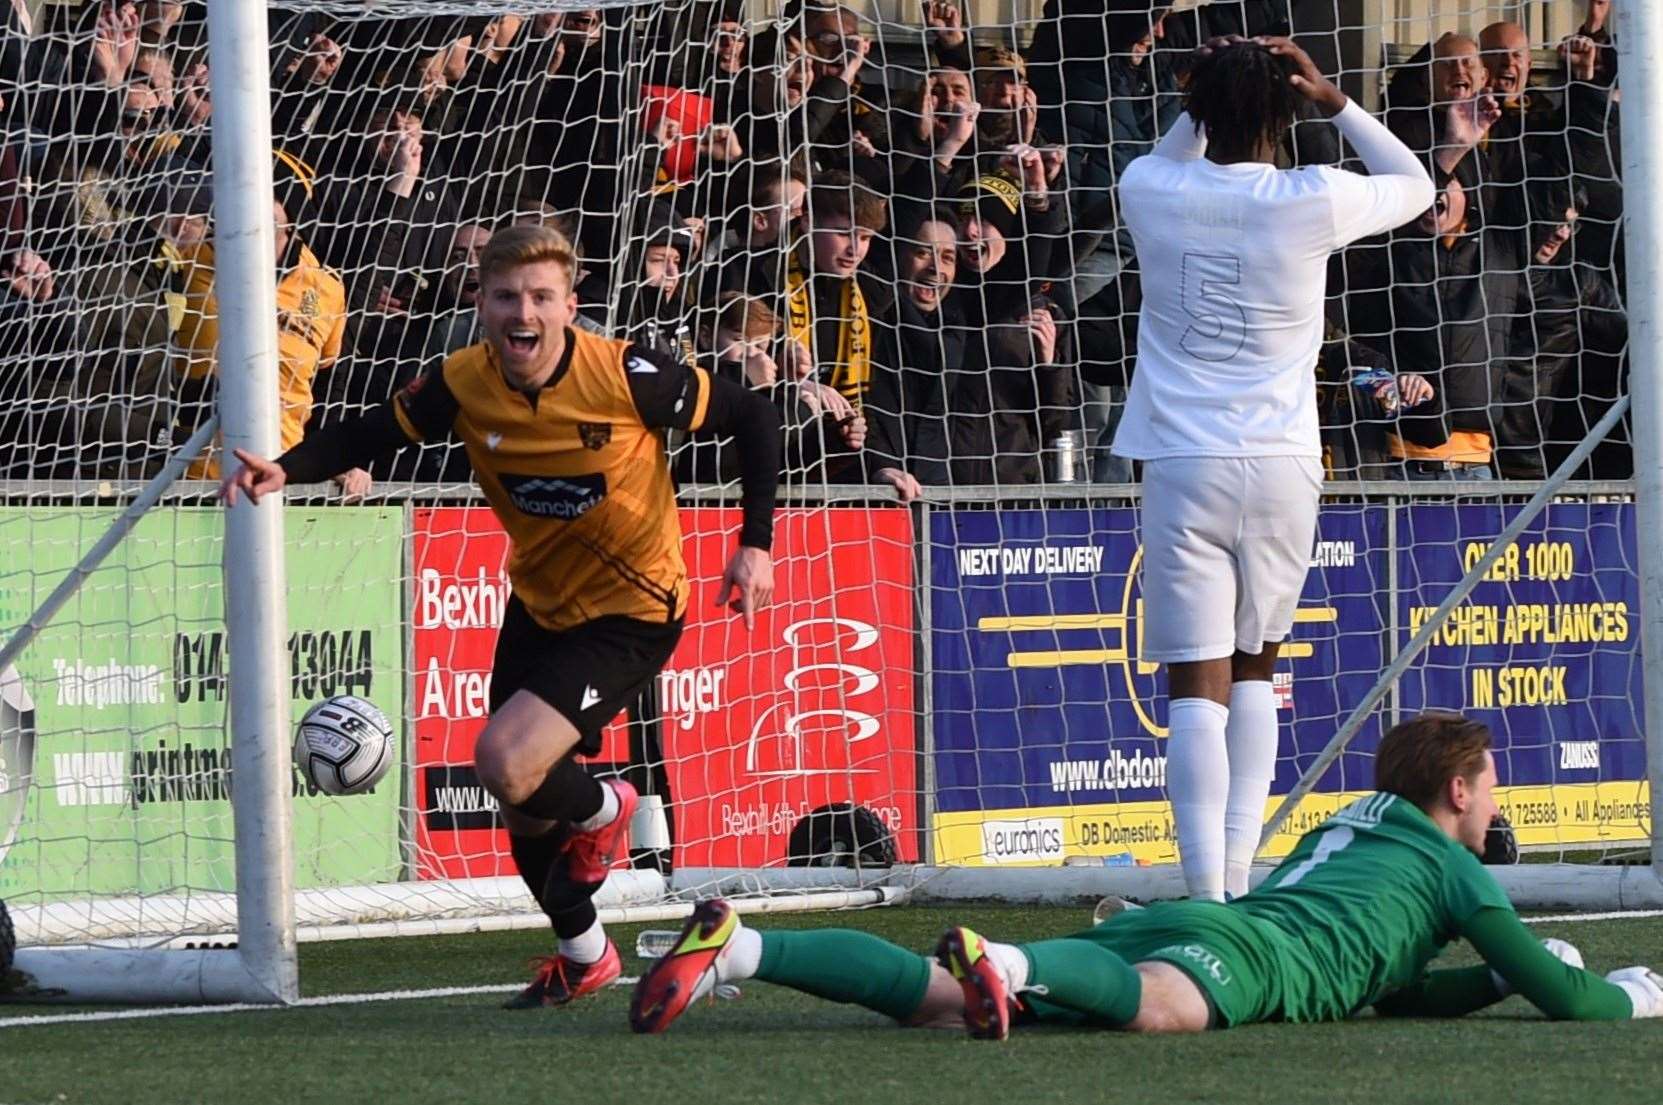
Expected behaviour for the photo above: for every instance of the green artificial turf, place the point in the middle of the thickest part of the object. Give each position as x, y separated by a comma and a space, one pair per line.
778, 1046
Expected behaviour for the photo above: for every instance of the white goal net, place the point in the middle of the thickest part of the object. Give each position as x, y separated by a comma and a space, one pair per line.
893, 217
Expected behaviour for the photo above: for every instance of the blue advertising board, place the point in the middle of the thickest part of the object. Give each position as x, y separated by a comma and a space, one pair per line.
1545, 650
1049, 727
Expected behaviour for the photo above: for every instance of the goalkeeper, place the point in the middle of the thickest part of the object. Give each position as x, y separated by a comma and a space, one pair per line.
1349, 920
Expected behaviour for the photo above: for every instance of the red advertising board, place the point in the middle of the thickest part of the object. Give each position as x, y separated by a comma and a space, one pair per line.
813, 706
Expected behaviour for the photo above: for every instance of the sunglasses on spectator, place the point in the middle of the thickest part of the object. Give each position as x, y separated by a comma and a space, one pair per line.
136, 120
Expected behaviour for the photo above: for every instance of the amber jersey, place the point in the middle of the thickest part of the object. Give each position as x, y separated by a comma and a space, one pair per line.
311, 324
576, 472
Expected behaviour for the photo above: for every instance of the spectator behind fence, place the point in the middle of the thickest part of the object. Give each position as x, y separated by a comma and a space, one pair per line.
844, 316
1019, 308
656, 314
311, 325
741, 341
1445, 296
389, 212
1569, 315
756, 242
86, 391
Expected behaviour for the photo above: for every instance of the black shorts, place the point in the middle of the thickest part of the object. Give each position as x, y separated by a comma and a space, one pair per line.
589, 673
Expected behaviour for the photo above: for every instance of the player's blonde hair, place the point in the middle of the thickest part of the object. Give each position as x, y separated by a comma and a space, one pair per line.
1417, 758
527, 245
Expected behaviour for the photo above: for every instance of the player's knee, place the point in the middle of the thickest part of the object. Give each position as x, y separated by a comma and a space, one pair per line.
1171, 1001
1163, 1020
502, 771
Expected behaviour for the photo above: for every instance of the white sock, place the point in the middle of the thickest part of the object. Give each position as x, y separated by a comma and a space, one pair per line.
1250, 740
741, 958
1198, 783
1012, 963
587, 947
607, 814
734, 963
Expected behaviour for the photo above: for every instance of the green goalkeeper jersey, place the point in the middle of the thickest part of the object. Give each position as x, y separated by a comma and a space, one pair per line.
1366, 900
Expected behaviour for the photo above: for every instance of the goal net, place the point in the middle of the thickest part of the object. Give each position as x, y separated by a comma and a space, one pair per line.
897, 224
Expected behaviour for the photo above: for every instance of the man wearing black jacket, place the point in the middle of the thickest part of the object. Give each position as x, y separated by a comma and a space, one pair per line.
1013, 283
1567, 312
1444, 296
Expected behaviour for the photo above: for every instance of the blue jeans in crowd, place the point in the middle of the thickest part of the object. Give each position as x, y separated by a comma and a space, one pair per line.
1447, 471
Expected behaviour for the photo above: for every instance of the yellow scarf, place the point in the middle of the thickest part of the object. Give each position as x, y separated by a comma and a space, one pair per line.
853, 369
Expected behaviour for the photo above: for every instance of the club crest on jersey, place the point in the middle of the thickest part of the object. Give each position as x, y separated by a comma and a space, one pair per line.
562, 498
594, 435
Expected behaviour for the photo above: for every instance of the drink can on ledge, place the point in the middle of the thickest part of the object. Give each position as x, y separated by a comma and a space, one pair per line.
1065, 457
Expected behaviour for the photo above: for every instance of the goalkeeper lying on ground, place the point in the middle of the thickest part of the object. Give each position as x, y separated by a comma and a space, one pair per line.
1350, 919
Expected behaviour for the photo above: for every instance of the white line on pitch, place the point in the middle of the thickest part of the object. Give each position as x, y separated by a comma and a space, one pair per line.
243, 1007
1614, 915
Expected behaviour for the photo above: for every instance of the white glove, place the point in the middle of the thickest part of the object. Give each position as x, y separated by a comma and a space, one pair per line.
1644, 989
1562, 950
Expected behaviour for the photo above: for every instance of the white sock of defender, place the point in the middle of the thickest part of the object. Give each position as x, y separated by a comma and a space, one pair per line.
1198, 783
607, 813
1012, 963
741, 958
587, 947
1250, 741
736, 962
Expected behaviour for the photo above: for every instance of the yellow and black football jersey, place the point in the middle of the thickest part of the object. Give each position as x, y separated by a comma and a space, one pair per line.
576, 472
311, 325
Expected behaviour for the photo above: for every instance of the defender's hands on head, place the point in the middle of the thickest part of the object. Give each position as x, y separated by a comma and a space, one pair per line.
1307, 79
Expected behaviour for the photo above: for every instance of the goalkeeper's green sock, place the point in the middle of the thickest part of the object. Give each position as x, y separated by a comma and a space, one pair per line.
848, 966
1084, 976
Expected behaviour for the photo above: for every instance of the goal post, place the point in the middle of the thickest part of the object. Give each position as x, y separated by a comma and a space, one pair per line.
1640, 31
255, 599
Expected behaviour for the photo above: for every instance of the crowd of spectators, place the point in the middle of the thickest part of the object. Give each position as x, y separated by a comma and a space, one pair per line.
908, 237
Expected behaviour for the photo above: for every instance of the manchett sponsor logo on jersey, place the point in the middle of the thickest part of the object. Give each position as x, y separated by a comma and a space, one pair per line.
564, 497
1201, 957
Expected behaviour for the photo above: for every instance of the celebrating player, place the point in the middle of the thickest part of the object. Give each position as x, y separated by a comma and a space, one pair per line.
565, 433
1223, 413
1350, 919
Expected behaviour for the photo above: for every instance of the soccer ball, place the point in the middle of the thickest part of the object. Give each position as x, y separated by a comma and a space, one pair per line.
344, 745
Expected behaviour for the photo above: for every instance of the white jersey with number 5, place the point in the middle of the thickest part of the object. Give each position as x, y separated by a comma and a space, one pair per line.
1233, 260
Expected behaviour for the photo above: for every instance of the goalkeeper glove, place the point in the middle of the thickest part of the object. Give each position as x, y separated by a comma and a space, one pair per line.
1644, 989
1562, 950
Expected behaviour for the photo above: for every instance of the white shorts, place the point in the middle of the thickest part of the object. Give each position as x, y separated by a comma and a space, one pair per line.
1223, 535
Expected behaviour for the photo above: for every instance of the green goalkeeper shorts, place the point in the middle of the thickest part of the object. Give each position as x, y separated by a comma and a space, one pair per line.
1239, 963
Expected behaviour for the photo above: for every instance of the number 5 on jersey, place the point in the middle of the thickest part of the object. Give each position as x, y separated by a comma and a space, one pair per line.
1219, 326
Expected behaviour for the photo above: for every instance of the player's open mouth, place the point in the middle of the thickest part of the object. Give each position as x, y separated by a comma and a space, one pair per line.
523, 342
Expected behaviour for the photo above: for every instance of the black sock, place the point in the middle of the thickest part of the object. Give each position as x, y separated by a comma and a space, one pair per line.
568, 904
568, 793
535, 856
